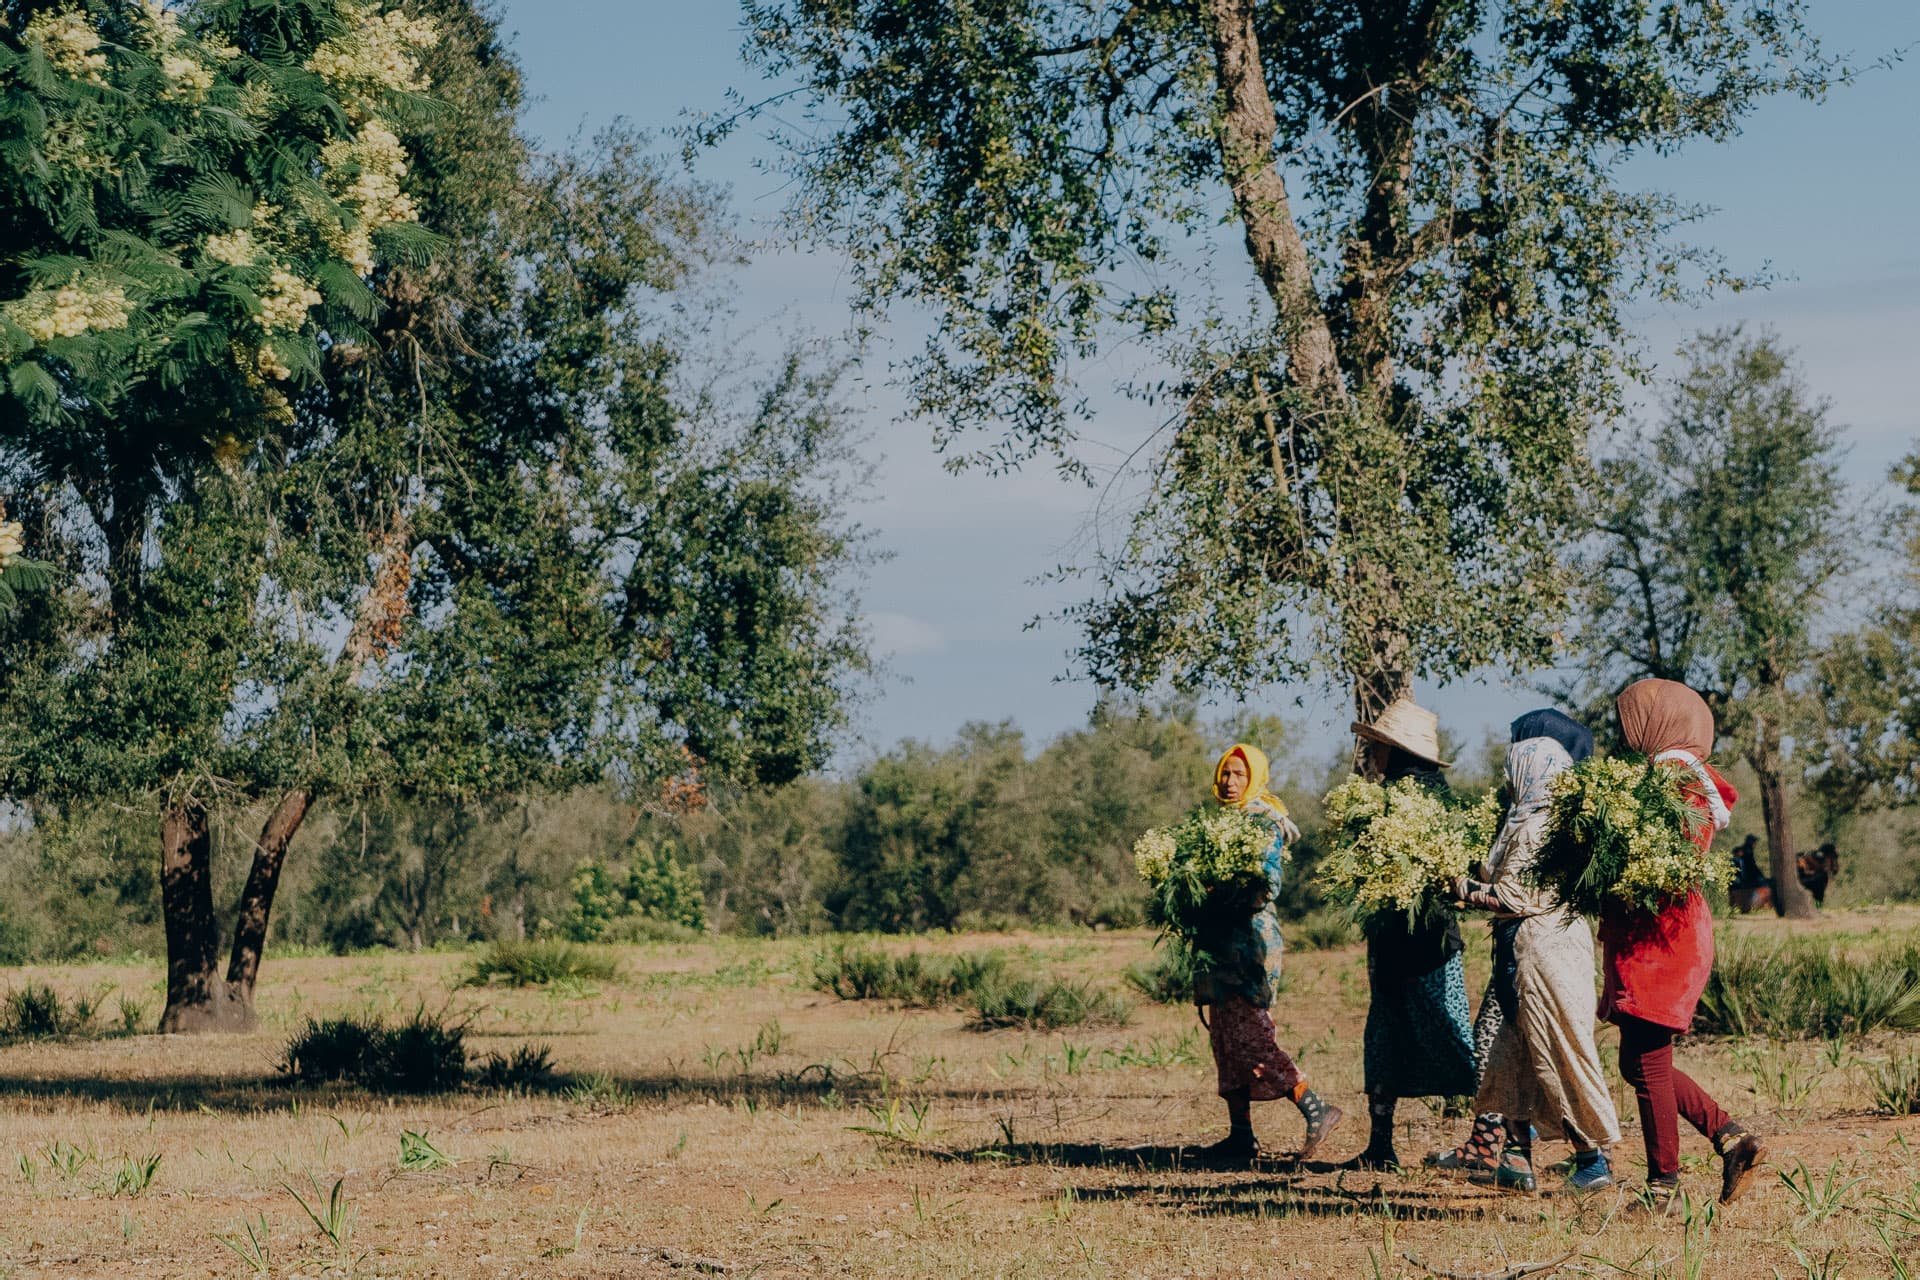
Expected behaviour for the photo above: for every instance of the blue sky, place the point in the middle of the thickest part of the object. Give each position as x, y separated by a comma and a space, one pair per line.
1828, 195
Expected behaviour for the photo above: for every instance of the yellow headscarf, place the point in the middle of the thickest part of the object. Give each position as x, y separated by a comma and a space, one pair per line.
1259, 773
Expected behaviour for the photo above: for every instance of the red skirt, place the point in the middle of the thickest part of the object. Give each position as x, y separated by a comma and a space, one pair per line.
1246, 1054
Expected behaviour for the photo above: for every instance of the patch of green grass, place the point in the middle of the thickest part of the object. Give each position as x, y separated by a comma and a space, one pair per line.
540, 962
1321, 930
1806, 990
913, 979
1165, 979
522, 1069
1895, 1084
425, 1054
38, 1012
1046, 1005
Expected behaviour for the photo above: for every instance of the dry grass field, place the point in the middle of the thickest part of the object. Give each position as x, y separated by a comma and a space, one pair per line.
717, 1115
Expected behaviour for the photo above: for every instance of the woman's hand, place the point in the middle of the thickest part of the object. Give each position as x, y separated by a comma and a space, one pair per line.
1287, 829
1474, 893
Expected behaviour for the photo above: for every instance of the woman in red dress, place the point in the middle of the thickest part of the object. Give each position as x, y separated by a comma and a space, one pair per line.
1656, 963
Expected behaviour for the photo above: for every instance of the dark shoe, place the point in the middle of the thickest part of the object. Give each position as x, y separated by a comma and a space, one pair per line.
1376, 1159
1322, 1119
1660, 1195
1590, 1173
1513, 1173
1740, 1156
1235, 1148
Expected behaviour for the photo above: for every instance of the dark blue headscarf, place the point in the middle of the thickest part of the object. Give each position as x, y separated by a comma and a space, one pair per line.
1562, 728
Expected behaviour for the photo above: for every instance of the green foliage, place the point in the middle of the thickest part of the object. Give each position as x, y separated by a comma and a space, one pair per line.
1370, 477
1045, 1004
657, 887
537, 963
1895, 1083
1809, 991
423, 1054
1622, 832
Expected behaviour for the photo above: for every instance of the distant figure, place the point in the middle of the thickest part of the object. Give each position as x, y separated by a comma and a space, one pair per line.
1751, 890
1817, 870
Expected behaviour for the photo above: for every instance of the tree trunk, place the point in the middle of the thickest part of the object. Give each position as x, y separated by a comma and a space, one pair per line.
196, 995
256, 900
1790, 897
1245, 134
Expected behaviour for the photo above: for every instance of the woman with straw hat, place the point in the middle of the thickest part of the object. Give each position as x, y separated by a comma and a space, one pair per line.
1418, 1042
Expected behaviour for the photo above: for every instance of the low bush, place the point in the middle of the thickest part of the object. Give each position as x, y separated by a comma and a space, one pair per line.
1806, 991
425, 1054
1321, 930
914, 979
521, 1070
1895, 1084
38, 1012
537, 963
1046, 1006
1165, 979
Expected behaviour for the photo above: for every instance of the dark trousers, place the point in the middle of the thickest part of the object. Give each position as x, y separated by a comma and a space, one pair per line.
1665, 1093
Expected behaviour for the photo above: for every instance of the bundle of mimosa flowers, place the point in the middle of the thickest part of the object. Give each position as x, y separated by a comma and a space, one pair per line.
1206, 871
1622, 830
1398, 847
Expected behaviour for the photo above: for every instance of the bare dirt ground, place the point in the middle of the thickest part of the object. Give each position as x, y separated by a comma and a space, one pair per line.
721, 1117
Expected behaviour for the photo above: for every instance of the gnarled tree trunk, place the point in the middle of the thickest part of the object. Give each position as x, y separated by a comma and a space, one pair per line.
1790, 897
196, 994
256, 900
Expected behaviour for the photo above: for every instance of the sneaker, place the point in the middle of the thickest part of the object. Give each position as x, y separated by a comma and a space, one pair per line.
1322, 1119
1513, 1173
1590, 1173
1479, 1153
1740, 1156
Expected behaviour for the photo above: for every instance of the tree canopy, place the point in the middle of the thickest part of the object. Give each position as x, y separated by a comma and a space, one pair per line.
380, 462
1369, 472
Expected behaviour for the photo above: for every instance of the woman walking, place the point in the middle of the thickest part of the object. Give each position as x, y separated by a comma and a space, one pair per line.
1543, 1070
1656, 964
1417, 1041
1240, 977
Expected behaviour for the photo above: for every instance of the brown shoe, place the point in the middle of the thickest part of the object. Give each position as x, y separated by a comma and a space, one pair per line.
1322, 1119
1740, 1156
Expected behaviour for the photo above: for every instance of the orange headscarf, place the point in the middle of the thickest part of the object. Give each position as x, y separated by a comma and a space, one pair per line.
1259, 774
1665, 715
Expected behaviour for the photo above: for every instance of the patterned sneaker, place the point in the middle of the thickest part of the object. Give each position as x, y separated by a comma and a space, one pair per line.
1322, 1119
1591, 1172
1740, 1156
1479, 1153
1513, 1173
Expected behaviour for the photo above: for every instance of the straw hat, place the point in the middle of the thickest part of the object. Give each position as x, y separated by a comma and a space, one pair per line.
1409, 726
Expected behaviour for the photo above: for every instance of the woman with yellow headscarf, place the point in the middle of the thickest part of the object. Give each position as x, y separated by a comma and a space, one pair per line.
1240, 976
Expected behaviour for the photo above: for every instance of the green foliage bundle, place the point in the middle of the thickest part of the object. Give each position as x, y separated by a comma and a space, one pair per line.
1621, 832
1396, 849
1206, 872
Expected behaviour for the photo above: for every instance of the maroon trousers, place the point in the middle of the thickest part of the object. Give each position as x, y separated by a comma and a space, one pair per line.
1664, 1092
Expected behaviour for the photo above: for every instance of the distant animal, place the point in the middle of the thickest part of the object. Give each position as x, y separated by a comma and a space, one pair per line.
1817, 870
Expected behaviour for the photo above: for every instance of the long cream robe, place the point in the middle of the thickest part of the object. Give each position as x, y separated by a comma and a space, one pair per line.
1543, 1066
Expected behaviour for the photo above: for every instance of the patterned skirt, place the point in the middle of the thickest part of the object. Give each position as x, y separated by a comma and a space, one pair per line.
1419, 1043
1245, 1053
